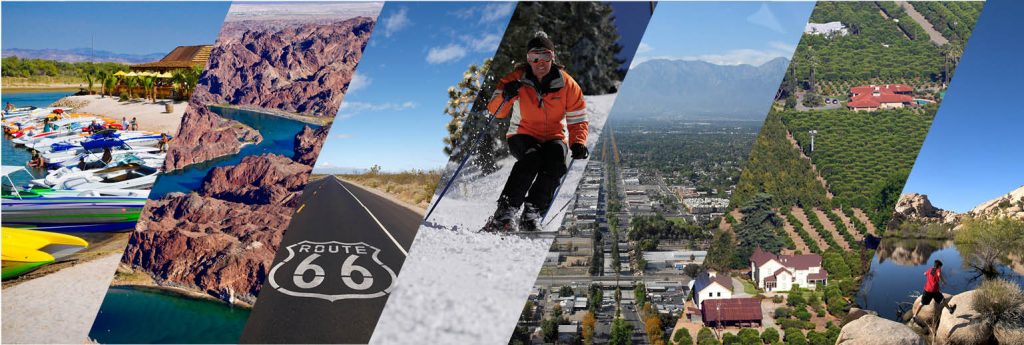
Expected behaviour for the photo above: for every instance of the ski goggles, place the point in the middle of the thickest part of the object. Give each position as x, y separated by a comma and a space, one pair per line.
542, 55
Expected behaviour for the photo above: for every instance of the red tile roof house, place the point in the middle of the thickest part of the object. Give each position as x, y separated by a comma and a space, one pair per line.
741, 312
774, 272
874, 97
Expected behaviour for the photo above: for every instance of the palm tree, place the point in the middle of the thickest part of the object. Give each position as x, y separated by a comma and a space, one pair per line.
88, 80
186, 80
101, 77
131, 82
109, 83
147, 85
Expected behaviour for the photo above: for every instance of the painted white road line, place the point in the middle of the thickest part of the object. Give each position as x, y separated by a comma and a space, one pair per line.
374, 219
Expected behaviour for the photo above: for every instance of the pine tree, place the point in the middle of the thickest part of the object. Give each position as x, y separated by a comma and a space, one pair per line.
461, 99
586, 51
757, 229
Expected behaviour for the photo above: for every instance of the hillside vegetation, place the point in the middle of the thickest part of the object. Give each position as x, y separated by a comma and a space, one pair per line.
776, 167
20, 71
854, 150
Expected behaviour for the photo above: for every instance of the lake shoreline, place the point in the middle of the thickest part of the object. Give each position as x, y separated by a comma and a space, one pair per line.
307, 119
128, 277
28, 89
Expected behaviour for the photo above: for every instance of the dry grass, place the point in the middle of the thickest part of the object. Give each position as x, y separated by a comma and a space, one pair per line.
415, 187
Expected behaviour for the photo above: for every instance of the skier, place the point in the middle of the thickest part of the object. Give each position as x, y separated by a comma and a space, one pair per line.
543, 102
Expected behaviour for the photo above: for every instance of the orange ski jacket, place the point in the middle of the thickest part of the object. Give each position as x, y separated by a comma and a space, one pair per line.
544, 116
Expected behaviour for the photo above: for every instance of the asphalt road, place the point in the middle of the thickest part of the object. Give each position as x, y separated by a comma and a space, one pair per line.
325, 286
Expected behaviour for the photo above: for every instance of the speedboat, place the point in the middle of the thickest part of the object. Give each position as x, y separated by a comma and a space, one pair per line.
92, 160
61, 152
68, 131
96, 210
123, 176
24, 250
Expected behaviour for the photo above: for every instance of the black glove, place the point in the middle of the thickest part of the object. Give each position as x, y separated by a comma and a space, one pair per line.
511, 89
579, 151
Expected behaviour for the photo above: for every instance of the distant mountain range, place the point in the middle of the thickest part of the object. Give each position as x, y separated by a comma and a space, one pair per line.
81, 54
699, 90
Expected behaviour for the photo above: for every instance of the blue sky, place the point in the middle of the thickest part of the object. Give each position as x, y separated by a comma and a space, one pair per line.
393, 113
119, 27
724, 33
974, 151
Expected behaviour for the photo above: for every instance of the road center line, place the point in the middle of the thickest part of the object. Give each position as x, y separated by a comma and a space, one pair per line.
374, 219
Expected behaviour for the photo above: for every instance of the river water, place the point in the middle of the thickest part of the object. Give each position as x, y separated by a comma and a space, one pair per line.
896, 275
168, 319
278, 138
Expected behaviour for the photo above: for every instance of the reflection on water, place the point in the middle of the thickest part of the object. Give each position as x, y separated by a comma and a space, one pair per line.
896, 275
909, 252
137, 316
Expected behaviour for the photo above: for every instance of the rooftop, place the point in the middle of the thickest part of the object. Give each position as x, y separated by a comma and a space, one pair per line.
180, 57
732, 309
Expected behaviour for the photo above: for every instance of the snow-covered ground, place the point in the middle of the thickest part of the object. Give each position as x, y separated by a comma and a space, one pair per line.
458, 286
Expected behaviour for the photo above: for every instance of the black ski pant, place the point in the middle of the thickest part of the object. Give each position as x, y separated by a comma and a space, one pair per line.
535, 176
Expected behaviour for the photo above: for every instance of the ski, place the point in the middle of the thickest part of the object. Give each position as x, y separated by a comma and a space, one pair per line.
534, 234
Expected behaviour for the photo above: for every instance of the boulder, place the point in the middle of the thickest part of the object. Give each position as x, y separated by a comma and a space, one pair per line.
1008, 335
964, 326
854, 314
871, 330
927, 315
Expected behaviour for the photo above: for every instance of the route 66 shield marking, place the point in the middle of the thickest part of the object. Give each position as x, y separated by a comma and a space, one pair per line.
332, 271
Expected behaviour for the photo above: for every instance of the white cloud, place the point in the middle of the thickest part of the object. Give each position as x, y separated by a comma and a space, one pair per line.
783, 47
484, 43
341, 136
396, 22
359, 81
350, 109
449, 53
496, 11
354, 107
487, 13
644, 48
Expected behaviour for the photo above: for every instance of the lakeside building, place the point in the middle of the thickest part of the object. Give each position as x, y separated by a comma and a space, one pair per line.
774, 272
182, 57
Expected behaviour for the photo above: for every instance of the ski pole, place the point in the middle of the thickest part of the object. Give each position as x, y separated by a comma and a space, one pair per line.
545, 215
464, 160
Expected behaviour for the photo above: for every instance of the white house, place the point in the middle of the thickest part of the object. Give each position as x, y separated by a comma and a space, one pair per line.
827, 29
711, 285
780, 272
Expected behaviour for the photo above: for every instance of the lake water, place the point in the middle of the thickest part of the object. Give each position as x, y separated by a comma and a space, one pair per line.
896, 275
138, 316
19, 156
278, 138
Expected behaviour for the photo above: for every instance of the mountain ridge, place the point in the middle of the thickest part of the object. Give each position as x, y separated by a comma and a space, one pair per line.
701, 90
81, 55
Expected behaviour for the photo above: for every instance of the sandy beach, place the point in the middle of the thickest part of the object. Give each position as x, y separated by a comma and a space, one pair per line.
60, 307
151, 116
